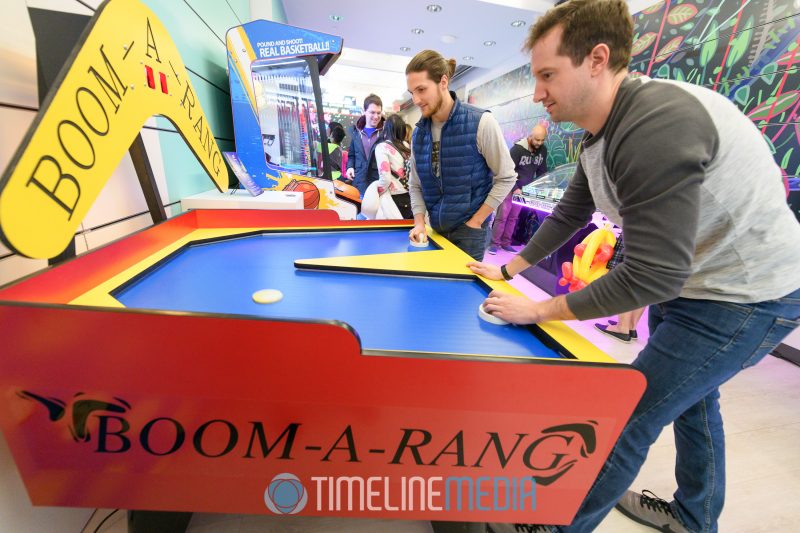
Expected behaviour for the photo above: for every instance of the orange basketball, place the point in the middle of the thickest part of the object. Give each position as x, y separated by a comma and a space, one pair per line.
310, 194
309, 190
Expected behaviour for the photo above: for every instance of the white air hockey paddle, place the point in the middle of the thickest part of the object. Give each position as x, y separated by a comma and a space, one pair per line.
488, 317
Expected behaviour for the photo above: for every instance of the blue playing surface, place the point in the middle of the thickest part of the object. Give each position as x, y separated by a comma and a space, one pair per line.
388, 312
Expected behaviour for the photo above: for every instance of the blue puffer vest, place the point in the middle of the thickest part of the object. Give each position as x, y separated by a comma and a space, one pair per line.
465, 180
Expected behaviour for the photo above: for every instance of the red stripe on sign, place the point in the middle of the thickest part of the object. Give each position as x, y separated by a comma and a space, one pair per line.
151, 82
163, 78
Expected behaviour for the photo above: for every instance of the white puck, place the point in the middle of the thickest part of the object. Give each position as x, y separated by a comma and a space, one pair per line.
417, 244
488, 317
267, 296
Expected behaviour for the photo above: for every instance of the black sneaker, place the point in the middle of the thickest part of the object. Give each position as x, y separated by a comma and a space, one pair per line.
491, 250
633, 333
518, 528
509, 249
649, 510
622, 337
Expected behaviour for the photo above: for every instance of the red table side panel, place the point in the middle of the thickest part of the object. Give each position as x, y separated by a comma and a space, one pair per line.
172, 411
82, 273
234, 218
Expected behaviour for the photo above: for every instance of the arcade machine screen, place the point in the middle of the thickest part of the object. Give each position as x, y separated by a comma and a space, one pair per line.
545, 192
542, 195
287, 114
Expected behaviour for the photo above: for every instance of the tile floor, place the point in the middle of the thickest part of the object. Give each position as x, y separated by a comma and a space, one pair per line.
761, 409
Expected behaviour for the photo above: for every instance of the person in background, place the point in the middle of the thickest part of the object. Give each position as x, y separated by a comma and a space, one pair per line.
410, 131
460, 166
710, 245
392, 156
333, 125
335, 151
530, 161
364, 134
624, 328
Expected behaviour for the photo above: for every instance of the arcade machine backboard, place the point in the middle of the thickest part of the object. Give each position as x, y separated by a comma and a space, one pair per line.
274, 73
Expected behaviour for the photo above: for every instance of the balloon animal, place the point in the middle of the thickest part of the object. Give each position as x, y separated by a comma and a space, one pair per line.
589, 262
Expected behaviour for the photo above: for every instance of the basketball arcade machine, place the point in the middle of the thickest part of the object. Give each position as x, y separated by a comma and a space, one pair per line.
274, 72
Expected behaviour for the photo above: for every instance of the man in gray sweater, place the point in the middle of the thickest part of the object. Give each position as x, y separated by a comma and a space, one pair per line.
711, 247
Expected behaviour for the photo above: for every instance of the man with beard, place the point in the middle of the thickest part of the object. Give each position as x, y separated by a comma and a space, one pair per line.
710, 245
461, 169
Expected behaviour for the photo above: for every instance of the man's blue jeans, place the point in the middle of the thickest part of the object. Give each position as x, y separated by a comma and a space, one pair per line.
471, 240
695, 346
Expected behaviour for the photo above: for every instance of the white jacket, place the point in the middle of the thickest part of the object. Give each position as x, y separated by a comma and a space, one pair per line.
390, 159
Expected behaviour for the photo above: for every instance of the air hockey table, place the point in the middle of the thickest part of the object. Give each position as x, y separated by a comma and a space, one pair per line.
142, 375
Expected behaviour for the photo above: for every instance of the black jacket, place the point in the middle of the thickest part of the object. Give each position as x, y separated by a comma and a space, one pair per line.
529, 165
358, 159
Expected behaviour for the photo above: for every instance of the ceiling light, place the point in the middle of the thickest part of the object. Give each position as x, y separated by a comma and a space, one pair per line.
449, 39
335, 18
417, 31
405, 48
434, 8
489, 43
467, 58
518, 23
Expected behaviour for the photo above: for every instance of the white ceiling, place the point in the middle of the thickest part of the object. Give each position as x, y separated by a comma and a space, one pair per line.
375, 30
386, 26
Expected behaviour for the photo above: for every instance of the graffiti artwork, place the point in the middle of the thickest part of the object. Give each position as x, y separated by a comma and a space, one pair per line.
744, 49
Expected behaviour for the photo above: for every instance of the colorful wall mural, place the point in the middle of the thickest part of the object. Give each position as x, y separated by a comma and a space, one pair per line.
746, 50
743, 49
510, 98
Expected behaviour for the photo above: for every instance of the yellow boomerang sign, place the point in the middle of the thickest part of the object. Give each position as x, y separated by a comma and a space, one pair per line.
125, 69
